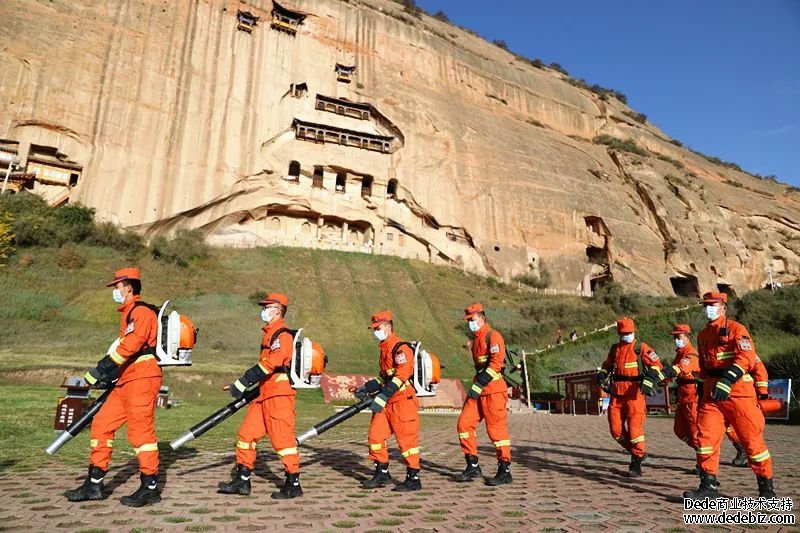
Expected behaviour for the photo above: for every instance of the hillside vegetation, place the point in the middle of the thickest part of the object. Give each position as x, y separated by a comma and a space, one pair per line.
56, 312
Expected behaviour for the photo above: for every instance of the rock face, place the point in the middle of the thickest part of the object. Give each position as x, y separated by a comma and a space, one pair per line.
354, 125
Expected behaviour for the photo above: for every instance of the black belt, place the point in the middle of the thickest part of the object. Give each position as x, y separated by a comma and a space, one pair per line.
715, 372
685, 381
618, 377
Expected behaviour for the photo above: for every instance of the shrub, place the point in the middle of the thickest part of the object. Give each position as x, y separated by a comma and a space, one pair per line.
733, 183
109, 234
184, 247
558, 68
677, 164
676, 142
641, 118
442, 16
613, 295
542, 281
70, 257
6, 237
74, 223
538, 63
627, 145
500, 44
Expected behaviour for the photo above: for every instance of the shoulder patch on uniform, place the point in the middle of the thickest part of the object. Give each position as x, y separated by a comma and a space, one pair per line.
653, 356
400, 358
494, 348
130, 327
276, 344
758, 359
685, 361
745, 344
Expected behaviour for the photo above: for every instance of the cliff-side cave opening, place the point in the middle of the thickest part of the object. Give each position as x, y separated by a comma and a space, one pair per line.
685, 286
726, 288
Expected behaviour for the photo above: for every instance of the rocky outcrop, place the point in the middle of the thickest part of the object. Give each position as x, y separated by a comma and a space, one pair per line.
452, 150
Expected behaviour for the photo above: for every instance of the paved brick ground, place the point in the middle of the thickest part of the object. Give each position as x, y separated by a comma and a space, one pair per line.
568, 476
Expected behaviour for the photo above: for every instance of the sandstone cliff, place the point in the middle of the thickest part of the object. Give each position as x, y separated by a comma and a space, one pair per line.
437, 145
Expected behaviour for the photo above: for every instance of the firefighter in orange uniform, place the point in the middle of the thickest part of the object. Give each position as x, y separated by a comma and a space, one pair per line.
395, 408
727, 355
486, 399
623, 374
272, 412
761, 378
688, 371
132, 363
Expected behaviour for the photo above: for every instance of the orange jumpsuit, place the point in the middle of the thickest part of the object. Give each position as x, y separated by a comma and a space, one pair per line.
272, 413
759, 374
488, 353
628, 408
685, 426
401, 414
718, 353
133, 399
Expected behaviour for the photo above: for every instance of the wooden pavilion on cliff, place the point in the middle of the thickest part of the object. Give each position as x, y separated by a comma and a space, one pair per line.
286, 20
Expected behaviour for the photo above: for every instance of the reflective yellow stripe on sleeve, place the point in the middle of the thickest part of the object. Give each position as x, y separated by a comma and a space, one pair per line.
493, 373
116, 357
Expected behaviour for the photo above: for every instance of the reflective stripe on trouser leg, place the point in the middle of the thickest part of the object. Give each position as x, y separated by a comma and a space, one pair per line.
378, 432
494, 410
615, 427
109, 418
280, 429
748, 422
251, 430
710, 431
467, 423
635, 412
403, 419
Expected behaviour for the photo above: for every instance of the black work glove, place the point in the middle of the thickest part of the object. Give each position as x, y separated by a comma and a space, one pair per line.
722, 390
105, 367
603, 381
649, 386
481, 380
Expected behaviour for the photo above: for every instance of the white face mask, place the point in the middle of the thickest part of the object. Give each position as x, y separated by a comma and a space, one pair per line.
712, 312
473, 325
627, 338
267, 316
116, 294
380, 334
680, 343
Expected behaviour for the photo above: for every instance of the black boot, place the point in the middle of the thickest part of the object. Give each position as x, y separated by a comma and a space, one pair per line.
741, 457
503, 476
239, 484
472, 471
709, 488
291, 488
635, 468
92, 488
411, 483
765, 489
146, 494
380, 478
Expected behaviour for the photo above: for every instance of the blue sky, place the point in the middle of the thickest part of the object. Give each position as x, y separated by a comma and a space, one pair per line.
721, 76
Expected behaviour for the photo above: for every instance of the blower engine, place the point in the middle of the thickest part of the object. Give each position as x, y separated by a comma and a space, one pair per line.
427, 371
176, 338
308, 362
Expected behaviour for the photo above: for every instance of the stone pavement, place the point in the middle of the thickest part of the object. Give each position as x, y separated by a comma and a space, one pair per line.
568, 476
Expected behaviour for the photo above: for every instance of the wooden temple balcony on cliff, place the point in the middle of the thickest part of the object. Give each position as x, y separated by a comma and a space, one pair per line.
343, 107
344, 73
322, 133
286, 20
246, 21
